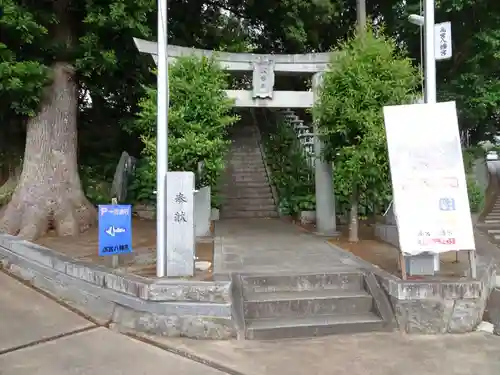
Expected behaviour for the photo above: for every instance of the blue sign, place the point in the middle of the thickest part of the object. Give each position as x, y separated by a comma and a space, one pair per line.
447, 204
115, 229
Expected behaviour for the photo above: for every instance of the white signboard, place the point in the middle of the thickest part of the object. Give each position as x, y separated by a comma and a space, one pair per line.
428, 178
442, 41
181, 243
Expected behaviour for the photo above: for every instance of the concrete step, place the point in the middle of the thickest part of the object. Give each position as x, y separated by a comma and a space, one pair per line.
232, 190
491, 221
250, 170
245, 185
341, 278
234, 206
306, 303
243, 155
249, 162
247, 214
259, 201
254, 177
493, 231
245, 165
246, 157
248, 195
322, 325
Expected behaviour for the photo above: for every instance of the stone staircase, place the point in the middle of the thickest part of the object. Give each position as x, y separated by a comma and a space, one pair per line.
489, 219
492, 220
311, 304
246, 191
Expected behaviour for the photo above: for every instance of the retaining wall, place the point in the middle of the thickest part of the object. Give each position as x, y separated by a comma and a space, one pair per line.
437, 306
175, 307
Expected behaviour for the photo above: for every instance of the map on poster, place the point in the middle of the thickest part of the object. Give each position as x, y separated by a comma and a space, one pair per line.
428, 178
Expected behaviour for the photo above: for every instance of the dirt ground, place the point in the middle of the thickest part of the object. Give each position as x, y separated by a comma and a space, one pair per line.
386, 256
141, 262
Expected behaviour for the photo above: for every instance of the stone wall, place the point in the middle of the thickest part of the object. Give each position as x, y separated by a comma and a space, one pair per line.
387, 233
437, 306
481, 173
441, 307
166, 307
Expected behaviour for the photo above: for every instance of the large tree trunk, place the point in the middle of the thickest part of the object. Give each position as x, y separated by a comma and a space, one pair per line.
49, 192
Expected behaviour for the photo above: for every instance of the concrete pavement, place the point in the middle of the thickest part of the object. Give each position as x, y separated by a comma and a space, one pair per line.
40, 337
362, 354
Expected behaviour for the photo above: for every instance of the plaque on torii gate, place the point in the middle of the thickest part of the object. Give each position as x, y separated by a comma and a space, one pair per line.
263, 79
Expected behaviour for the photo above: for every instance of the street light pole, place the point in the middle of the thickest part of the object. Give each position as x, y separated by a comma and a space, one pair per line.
361, 15
162, 140
430, 60
430, 69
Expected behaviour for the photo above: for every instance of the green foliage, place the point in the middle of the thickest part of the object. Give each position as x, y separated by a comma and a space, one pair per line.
21, 81
290, 173
470, 76
96, 188
474, 190
476, 194
470, 155
369, 74
199, 116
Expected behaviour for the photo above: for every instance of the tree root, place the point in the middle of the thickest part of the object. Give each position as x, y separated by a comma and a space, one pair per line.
31, 218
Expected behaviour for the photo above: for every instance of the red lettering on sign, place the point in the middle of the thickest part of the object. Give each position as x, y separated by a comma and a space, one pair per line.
444, 241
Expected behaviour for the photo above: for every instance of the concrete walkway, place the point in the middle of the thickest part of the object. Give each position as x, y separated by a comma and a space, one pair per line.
40, 337
269, 246
362, 354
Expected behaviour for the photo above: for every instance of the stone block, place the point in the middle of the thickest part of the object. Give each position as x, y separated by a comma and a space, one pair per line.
387, 233
493, 307
218, 292
418, 291
202, 212
197, 327
466, 315
442, 306
423, 316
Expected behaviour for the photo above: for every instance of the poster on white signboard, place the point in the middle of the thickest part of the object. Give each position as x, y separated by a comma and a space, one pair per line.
428, 178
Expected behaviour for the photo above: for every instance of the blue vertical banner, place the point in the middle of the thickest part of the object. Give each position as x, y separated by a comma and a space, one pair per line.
115, 229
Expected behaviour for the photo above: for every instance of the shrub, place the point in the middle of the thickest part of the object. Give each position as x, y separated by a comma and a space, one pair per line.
369, 73
290, 172
199, 115
476, 195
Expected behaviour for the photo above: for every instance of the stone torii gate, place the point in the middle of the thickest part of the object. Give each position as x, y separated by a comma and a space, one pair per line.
264, 68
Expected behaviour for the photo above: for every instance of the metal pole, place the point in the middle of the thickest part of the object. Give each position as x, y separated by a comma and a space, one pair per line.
161, 140
430, 69
430, 60
361, 14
